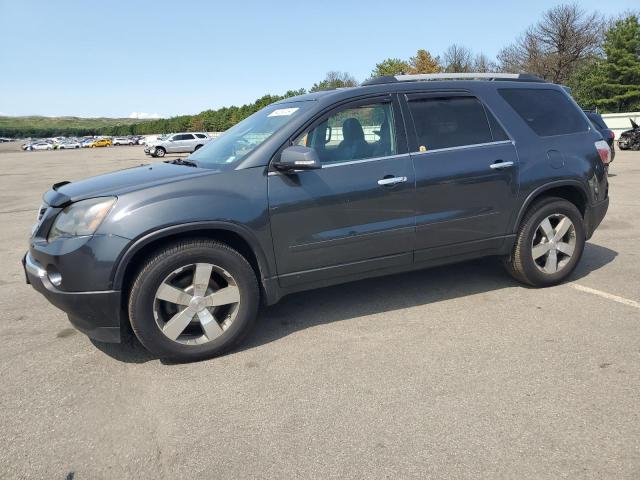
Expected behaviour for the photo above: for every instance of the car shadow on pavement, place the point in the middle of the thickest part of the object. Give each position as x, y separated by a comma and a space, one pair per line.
378, 295
372, 296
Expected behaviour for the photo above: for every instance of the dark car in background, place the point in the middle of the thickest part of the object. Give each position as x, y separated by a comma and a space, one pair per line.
398, 174
630, 139
608, 134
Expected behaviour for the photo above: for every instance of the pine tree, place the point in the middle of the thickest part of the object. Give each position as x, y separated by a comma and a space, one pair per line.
620, 91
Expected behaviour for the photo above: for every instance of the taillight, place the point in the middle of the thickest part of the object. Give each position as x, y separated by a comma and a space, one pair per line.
603, 151
613, 134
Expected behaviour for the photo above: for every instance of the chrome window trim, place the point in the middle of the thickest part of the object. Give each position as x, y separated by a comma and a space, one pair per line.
348, 162
463, 147
363, 160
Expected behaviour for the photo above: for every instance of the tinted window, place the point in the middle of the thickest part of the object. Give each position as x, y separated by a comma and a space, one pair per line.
183, 136
353, 134
200, 135
497, 132
449, 122
547, 112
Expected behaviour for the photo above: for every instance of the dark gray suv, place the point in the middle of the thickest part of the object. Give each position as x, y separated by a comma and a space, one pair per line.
400, 173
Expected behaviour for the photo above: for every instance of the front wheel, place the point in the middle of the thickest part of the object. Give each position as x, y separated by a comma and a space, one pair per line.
160, 152
549, 243
193, 300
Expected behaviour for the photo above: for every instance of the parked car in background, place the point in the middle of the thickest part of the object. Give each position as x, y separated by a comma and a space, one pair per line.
41, 146
123, 141
186, 142
101, 142
630, 139
606, 132
398, 174
69, 144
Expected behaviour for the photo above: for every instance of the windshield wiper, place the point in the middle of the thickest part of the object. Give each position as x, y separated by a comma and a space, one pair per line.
182, 161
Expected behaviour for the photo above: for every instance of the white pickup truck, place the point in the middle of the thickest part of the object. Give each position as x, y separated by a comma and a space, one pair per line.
176, 143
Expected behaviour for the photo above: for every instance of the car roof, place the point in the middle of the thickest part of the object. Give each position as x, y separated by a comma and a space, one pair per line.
339, 94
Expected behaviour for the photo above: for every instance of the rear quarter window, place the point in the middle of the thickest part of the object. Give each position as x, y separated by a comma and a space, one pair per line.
547, 112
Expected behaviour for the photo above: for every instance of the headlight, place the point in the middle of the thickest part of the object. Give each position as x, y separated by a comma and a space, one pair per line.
81, 218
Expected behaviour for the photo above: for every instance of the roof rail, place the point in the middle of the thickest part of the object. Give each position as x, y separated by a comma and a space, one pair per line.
516, 77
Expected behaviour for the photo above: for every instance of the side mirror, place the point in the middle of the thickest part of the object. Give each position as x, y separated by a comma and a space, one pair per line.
298, 157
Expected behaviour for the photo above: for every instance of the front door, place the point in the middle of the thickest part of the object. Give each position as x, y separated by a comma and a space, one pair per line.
356, 213
466, 175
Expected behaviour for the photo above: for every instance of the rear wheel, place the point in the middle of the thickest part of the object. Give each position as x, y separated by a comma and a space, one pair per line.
549, 243
193, 300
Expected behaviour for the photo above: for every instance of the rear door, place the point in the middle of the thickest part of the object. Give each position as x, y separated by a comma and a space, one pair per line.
466, 174
356, 213
186, 143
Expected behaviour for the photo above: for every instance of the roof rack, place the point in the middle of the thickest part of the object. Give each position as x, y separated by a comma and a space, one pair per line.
515, 77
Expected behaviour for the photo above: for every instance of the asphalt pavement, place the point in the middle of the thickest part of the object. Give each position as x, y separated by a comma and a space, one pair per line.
454, 372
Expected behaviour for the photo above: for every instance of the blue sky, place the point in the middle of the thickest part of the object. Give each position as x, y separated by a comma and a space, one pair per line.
168, 58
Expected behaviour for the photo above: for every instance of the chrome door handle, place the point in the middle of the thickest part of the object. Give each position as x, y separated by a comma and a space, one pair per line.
386, 182
500, 165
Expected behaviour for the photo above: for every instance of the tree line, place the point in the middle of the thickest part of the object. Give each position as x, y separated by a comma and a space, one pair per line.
597, 57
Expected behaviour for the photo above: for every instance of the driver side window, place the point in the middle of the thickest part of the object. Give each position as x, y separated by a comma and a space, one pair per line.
355, 133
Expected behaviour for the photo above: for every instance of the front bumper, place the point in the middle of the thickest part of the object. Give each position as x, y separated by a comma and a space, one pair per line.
96, 314
594, 215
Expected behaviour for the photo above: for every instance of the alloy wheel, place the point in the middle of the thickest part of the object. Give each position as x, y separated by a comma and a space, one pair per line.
553, 243
196, 304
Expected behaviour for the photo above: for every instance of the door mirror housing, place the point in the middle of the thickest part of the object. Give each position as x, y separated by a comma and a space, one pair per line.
298, 157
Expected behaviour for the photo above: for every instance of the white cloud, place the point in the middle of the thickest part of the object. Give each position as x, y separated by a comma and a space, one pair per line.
143, 115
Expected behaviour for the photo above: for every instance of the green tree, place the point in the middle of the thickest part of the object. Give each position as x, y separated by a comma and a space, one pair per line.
335, 79
621, 89
586, 82
390, 66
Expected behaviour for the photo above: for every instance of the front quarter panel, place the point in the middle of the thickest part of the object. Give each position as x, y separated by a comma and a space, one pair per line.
236, 198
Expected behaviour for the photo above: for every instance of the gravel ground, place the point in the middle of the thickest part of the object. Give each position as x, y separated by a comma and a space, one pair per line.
455, 372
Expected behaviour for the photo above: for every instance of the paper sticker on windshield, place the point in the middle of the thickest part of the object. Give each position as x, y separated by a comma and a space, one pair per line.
283, 112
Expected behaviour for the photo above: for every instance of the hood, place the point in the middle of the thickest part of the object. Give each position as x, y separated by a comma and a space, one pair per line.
116, 183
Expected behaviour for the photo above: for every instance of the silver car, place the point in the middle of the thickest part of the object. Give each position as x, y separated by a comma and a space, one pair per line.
177, 143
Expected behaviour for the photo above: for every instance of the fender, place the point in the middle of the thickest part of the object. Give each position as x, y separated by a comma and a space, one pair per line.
580, 185
150, 237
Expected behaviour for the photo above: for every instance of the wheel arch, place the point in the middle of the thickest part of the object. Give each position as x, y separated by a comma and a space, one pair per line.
232, 235
573, 191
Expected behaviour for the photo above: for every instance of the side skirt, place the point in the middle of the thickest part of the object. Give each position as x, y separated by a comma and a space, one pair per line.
277, 287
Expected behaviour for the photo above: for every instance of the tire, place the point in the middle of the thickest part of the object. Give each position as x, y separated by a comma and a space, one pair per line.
197, 148
539, 271
175, 266
160, 152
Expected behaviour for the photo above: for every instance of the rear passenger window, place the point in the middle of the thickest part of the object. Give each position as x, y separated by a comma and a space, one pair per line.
548, 112
449, 122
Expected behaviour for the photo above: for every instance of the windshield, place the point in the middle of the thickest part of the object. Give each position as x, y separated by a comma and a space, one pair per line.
243, 138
